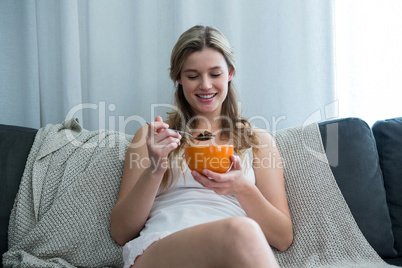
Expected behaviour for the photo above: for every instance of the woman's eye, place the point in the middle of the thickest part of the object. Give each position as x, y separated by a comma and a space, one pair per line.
192, 77
215, 75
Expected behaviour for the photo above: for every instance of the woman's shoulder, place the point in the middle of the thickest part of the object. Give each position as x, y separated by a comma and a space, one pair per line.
142, 130
265, 140
262, 133
139, 138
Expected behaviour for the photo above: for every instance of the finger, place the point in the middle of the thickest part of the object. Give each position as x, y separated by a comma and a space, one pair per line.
161, 151
159, 120
236, 162
156, 127
203, 180
209, 182
169, 142
161, 141
170, 147
168, 133
167, 136
197, 177
219, 177
154, 138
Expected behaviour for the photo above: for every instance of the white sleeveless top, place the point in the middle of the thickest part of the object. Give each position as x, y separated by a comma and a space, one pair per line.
188, 203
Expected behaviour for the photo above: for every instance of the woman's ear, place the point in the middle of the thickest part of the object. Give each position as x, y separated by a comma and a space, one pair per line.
178, 80
231, 72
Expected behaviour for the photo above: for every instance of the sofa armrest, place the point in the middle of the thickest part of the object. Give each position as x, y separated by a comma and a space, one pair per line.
15, 145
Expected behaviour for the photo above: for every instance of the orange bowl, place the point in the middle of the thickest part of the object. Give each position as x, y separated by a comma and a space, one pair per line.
212, 157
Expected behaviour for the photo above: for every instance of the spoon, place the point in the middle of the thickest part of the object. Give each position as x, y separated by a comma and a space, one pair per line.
200, 137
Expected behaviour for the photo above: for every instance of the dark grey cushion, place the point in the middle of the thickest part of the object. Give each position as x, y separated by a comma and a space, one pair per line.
352, 154
394, 261
15, 145
388, 134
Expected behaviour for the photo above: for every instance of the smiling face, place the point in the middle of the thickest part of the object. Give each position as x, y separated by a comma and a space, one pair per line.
205, 76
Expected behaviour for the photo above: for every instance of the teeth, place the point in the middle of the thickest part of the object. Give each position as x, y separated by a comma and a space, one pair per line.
206, 96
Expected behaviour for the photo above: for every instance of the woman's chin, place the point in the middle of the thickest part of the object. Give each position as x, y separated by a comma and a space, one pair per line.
207, 111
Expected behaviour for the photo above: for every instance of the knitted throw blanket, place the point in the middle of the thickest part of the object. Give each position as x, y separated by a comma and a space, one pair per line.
61, 215
325, 232
71, 181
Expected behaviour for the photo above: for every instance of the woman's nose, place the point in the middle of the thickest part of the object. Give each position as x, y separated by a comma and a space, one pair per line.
205, 84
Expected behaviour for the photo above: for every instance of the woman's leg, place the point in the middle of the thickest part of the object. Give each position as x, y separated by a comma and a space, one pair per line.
232, 242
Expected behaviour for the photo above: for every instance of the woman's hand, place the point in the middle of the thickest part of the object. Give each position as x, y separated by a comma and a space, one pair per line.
229, 183
160, 142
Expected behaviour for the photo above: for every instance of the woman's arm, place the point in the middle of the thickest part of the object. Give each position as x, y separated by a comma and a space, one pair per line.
265, 202
137, 192
144, 166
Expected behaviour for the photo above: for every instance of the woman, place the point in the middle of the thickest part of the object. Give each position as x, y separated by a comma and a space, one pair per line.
168, 216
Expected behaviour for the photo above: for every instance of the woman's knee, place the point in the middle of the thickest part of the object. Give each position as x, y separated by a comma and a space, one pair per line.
245, 243
244, 235
243, 228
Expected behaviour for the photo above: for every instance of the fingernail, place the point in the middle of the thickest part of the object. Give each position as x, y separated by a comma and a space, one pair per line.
165, 125
205, 172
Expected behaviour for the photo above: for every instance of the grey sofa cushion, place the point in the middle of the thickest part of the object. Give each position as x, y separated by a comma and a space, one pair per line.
388, 134
352, 154
15, 145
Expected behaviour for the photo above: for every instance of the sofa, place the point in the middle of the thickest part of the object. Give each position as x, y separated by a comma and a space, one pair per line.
365, 161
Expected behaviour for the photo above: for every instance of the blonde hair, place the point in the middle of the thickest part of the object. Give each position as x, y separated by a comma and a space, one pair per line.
196, 39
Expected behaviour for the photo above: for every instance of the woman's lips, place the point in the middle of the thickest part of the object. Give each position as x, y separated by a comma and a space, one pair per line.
206, 97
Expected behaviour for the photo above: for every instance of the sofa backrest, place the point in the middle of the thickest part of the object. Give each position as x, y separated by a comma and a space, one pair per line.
388, 135
352, 154
15, 145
